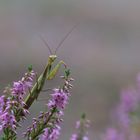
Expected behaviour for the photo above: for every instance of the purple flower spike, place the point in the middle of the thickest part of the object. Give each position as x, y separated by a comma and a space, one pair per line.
126, 115
12, 103
81, 126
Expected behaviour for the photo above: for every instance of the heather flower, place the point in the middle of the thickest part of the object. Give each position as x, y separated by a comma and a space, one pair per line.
128, 104
129, 100
85, 138
11, 104
126, 116
74, 137
59, 99
2, 104
113, 134
51, 134
81, 127
7, 116
8, 120
19, 88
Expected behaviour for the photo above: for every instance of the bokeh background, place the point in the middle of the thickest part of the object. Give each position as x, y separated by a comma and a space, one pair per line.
103, 51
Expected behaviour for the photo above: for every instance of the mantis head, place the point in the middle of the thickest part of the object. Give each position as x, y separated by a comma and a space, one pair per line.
52, 58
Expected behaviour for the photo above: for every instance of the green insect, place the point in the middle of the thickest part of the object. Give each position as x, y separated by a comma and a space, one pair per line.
48, 74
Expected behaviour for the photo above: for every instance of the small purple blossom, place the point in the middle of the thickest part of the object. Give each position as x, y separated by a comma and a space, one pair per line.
7, 117
74, 137
81, 126
59, 99
113, 134
51, 134
129, 100
78, 124
8, 120
2, 104
85, 138
19, 88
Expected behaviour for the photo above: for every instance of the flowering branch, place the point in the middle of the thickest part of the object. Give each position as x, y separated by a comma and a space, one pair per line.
12, 105
81, 126
48, 123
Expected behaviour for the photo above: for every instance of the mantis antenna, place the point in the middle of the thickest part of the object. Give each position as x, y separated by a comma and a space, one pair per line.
61, 42
65, 37
46, 44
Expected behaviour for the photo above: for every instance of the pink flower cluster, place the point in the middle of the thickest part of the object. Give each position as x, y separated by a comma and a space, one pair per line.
126, 116
12, 102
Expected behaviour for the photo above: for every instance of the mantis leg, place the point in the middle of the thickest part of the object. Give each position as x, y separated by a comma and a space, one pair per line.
54, 71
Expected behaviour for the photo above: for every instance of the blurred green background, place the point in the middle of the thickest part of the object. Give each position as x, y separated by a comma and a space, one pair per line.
103, 52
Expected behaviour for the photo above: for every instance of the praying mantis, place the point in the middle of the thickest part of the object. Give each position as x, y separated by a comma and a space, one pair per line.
48, 74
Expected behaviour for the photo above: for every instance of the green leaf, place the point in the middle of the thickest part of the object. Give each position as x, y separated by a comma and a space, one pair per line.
30, 68
67, 72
